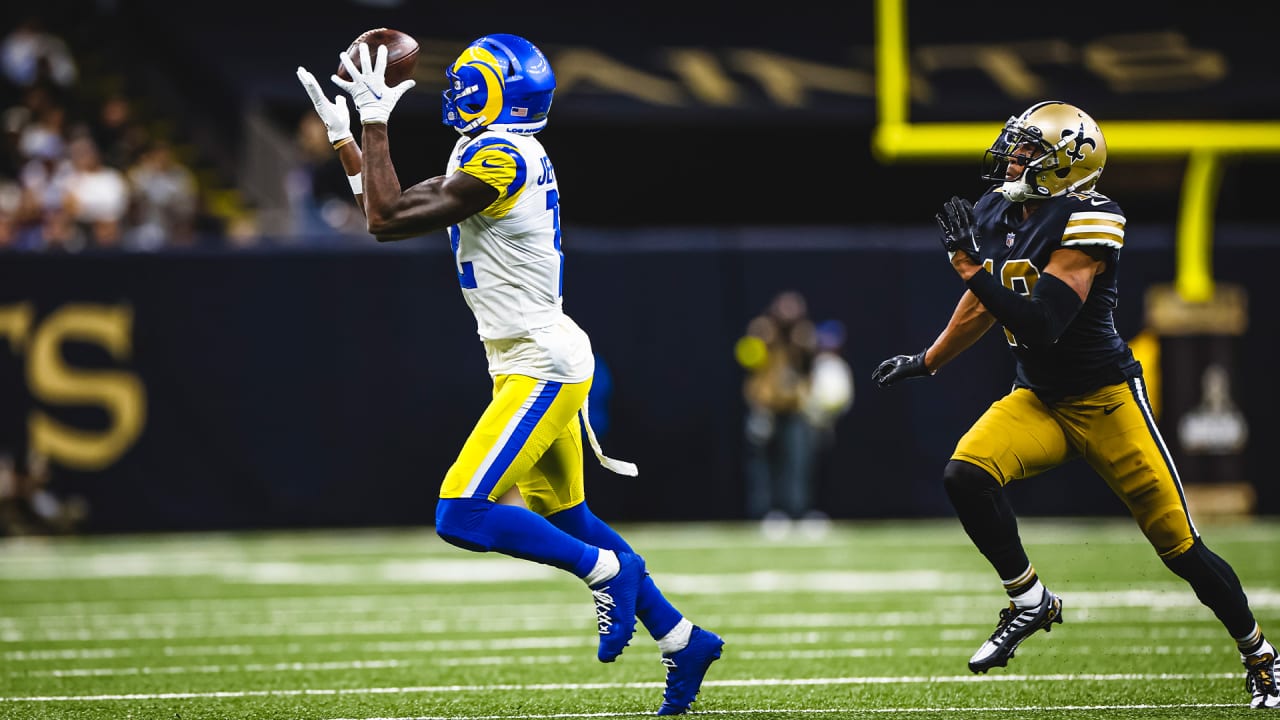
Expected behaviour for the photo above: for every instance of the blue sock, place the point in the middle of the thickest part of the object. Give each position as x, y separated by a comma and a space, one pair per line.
482, 525
658, 615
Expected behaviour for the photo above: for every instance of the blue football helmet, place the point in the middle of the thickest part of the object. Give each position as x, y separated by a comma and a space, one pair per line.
501, 82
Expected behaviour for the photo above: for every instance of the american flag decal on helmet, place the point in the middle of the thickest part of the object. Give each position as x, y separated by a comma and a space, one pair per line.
519, 112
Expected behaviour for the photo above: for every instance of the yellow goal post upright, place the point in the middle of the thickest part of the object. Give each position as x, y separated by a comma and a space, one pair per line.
1202, 143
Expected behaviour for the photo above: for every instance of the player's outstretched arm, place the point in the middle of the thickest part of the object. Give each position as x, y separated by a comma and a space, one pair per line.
969, 321
392, 213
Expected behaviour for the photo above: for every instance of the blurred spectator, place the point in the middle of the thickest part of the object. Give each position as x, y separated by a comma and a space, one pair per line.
30, 54
831, 380
319, 194
37, 112
13, 120
28, 504
777, 352
10, 203
60, 233
43, 179
242, 231
165, 200
40, 124
97, 196
830, 392
121, 138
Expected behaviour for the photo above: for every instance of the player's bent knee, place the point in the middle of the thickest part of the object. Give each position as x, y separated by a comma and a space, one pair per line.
458, 522
962, 478
1169, 532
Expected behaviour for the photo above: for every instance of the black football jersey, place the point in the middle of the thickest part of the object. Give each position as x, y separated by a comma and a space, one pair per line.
1090, 354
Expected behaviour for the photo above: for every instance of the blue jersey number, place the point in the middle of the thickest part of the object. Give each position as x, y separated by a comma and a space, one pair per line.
553, 204
467, 273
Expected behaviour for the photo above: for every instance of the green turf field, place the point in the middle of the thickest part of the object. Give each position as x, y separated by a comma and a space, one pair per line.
874, 619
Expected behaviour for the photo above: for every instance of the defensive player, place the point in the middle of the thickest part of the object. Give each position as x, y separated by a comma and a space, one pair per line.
1038, 253
500, 202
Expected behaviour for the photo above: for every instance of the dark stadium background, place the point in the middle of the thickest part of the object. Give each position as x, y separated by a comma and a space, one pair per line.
322, 386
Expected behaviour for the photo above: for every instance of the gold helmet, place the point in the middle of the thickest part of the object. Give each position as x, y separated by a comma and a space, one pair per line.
1067, 152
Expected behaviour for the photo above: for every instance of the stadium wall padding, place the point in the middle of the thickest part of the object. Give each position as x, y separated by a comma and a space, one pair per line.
294, 388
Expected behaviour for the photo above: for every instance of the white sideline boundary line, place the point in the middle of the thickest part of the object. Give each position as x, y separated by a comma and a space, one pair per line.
761, 682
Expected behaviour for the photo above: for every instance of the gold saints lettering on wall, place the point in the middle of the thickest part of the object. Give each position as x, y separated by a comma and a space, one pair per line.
53, 382
1154, 60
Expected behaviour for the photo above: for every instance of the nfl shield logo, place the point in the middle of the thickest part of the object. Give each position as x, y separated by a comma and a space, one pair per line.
1008, 240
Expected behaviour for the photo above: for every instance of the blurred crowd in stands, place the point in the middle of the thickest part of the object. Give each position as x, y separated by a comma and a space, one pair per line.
80, 170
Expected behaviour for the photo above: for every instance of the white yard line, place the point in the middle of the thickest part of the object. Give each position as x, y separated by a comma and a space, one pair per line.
949, 621
491, 660
555, 687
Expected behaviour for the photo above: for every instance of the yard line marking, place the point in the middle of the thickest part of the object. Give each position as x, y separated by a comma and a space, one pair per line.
1161, 596
960, 630
757, 682
489, 660
379, 647
198, 547
1089, 607
218, 669
956, 621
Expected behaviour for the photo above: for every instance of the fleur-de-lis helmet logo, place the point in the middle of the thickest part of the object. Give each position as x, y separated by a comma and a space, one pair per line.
1075, 151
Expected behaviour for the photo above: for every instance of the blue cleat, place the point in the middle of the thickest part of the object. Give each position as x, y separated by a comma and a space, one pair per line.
616, 606
686, 668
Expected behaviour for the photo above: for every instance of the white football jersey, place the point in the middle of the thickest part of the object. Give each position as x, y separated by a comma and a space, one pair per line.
509, 261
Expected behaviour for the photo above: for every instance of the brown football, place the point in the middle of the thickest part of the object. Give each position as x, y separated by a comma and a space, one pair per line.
402, 53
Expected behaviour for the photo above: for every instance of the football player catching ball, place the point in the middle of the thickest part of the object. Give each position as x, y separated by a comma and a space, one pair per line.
500, 202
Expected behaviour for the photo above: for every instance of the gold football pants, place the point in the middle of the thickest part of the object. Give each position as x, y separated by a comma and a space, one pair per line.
1112, 429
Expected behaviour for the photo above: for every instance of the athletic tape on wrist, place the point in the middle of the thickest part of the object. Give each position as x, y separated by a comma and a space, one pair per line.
357, 183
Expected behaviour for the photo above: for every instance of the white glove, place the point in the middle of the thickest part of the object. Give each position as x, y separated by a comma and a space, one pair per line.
368, 85
336, 117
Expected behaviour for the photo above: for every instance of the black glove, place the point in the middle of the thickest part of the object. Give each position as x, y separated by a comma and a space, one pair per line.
900, 367
959, 231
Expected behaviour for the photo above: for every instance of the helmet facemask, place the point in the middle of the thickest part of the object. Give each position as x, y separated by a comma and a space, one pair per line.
468, 103
1061, 147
